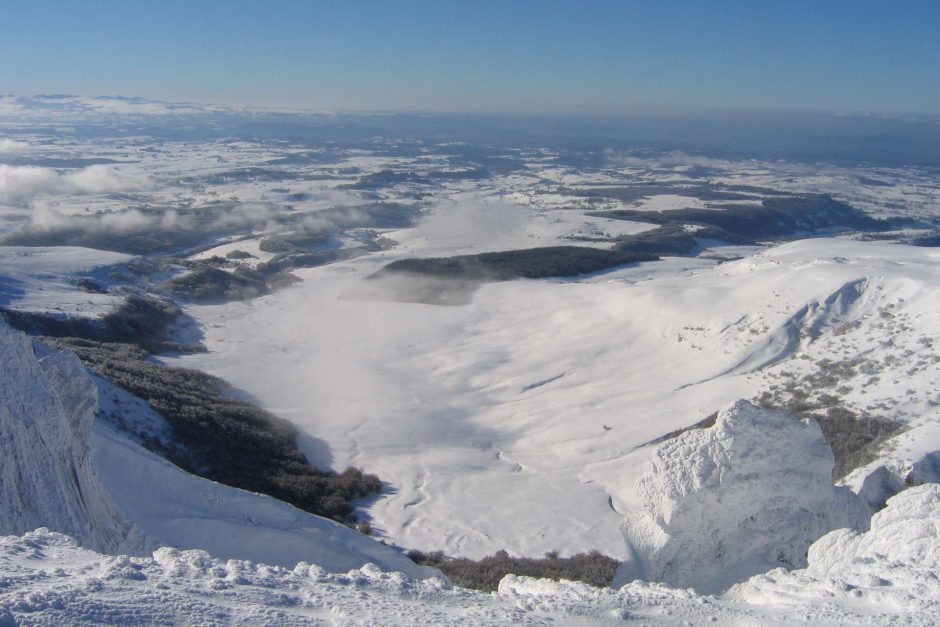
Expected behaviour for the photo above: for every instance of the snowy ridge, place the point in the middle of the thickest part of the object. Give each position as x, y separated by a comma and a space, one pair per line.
46, 473
746, 495
804, 326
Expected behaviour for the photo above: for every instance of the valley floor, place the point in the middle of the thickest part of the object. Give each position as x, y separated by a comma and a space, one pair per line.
533, 402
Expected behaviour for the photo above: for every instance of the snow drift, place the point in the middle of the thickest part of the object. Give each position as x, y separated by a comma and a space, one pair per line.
721, 504
892, 567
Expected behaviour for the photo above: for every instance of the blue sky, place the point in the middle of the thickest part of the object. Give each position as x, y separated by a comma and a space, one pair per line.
539, 57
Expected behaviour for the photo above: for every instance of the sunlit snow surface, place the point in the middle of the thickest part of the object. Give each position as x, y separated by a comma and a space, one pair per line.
512, 422
517, 421
886, 575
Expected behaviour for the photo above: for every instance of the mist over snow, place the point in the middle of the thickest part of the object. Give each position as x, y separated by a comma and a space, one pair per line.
26, 182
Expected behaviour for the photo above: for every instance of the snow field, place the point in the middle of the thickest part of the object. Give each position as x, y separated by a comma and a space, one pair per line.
546, 389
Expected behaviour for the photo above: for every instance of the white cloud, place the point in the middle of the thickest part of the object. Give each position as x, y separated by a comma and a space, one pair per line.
46, 217
245, 214
25, 182
100, 179
11, 145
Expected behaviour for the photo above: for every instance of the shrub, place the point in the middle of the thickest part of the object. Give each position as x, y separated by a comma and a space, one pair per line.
485, 574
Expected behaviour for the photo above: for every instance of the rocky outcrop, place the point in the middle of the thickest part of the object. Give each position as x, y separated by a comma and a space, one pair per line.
747, 495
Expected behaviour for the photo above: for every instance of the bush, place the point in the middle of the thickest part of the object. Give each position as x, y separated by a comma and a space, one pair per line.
207, 284
485, 574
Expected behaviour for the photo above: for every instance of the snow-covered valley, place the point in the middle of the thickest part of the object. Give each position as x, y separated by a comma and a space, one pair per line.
685, 414
554, 401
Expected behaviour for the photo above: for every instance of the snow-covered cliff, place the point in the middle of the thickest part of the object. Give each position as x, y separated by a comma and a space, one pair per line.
721, 504
47, 479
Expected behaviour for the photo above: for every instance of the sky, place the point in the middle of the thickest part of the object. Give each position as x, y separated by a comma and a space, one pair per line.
589, 56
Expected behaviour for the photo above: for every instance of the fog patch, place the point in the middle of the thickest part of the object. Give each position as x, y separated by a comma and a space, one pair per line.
671, 159
409, 287
474, 222
23, 182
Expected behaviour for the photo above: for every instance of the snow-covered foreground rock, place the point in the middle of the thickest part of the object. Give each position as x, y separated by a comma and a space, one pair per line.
892, 568
59, 470
884, 576
749, 494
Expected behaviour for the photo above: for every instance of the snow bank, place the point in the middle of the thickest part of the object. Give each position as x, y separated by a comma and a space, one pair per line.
46, 474
721, 504
890, 568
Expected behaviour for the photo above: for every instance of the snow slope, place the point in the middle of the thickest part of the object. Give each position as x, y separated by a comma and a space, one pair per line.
59, 471
550, 389
746, 495
884, 576
42, 278
187, 512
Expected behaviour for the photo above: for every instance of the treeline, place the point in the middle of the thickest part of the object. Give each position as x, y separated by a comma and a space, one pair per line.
484, 574
774, 217
221, 438
140, 320
531, 263
214, 436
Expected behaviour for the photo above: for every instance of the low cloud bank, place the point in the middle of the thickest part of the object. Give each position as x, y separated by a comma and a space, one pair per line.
8, 145
671, 159
24, 182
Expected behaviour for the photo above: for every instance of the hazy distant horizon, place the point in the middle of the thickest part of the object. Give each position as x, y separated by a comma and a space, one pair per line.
803, 136
544, 58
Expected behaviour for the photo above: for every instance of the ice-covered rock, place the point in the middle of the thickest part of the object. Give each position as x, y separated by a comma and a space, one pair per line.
721, 504
877, 483
47, 479
893, 566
